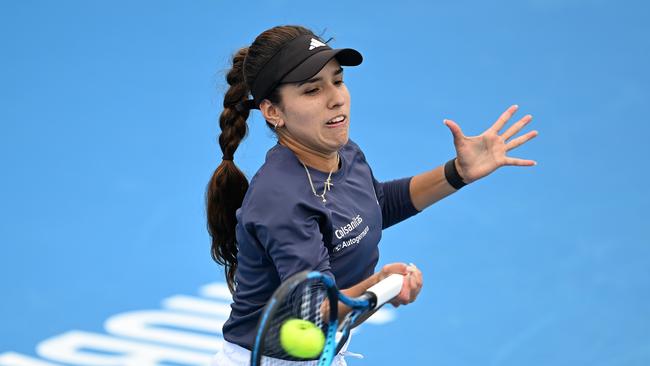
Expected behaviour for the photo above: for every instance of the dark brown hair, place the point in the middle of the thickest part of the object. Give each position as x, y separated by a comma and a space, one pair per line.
227, 187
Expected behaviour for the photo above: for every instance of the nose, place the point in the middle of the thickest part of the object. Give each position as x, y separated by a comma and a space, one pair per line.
337, 96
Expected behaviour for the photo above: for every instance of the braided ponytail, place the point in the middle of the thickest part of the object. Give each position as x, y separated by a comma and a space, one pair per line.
226, 189
228, 185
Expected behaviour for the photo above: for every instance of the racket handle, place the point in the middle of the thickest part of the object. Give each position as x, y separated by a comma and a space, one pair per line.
387, 289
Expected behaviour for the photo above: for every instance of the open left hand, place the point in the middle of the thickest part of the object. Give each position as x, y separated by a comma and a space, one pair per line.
478, 156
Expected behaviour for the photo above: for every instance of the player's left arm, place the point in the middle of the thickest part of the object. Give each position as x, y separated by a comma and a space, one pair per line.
476, 157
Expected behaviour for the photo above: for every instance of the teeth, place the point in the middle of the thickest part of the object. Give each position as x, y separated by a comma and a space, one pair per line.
337, 119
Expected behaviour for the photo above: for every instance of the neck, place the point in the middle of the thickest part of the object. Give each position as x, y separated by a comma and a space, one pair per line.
325, 161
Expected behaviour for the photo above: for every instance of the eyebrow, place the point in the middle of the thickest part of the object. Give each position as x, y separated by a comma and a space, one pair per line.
313, 80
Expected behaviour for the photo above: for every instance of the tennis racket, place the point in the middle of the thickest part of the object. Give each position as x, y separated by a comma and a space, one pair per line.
313, 296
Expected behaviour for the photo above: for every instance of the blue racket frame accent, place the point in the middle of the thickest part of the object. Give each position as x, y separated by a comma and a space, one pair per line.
258, 337
331, 347
329, 350
329, 282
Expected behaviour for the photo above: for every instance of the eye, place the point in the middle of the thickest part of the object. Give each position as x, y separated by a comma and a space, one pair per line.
311, 91
338, 82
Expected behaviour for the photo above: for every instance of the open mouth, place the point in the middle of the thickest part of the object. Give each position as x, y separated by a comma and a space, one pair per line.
337, 121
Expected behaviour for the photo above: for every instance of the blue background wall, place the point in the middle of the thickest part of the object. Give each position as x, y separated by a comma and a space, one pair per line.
109, 122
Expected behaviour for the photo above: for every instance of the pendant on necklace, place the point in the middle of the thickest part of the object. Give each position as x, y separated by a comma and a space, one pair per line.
328, 184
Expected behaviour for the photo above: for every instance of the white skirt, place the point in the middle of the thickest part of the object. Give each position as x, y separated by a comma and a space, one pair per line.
234, 355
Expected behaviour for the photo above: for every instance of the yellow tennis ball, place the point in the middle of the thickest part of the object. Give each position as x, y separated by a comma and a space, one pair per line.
301, 338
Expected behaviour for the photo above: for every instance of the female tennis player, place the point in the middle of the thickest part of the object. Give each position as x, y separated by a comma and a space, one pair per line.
315, 204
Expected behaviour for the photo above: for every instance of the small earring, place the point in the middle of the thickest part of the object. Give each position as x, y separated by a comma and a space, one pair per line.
275, 126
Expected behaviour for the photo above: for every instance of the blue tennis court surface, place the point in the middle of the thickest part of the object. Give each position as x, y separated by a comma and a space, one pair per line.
109, 122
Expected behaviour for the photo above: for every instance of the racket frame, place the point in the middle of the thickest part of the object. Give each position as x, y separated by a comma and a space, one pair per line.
370, 300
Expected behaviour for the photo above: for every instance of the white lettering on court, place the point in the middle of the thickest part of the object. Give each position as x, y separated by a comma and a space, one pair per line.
90, 349
185, 331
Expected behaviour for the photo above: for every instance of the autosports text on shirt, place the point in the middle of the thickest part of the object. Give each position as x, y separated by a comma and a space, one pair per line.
352, 241
344, 230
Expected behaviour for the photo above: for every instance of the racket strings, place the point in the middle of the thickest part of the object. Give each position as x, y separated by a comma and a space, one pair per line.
305, 307
320, 298
269, 361
305, 302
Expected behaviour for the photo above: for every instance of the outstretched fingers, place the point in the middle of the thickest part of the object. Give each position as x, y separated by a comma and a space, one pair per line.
520, 140
454, 128
503, 118
516, 127
519, 162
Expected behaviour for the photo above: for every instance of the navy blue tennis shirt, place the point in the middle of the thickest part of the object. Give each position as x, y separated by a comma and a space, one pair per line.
283, 228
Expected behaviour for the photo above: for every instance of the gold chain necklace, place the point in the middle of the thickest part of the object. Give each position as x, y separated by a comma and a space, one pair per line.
328, 183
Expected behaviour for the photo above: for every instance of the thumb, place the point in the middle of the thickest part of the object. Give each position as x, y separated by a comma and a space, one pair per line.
454, 128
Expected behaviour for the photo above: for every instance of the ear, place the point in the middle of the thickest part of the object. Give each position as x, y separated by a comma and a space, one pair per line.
271, 113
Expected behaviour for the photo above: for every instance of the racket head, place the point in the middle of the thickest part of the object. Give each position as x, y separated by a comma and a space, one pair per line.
305, 296
308, 296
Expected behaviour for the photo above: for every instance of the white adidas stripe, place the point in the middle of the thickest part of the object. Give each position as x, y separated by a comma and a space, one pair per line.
315, 44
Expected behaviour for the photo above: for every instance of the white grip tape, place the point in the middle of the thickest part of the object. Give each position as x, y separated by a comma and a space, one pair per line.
387, 288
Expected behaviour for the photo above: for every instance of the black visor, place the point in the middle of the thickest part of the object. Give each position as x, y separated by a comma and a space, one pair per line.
299, 60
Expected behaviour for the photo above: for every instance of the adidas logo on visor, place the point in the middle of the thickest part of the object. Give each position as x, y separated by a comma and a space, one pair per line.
315, 44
